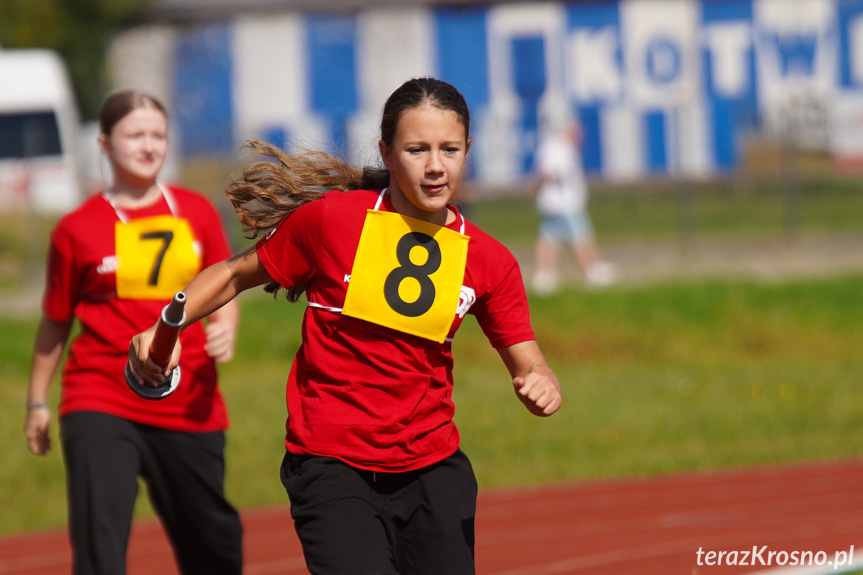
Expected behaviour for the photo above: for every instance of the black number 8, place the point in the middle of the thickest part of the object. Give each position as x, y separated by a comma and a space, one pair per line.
410, 270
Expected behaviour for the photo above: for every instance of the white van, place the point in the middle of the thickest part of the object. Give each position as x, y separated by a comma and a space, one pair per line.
39, 123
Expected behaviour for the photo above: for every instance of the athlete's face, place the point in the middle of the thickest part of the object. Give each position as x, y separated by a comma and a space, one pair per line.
137, 146
426, 160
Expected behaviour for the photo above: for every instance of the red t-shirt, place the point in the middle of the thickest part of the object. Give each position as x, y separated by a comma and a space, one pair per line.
82, 284
374, 397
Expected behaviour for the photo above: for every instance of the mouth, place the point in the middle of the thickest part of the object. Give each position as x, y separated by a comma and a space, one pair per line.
435, 189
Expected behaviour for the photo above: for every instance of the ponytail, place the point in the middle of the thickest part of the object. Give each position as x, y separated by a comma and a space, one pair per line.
272, 188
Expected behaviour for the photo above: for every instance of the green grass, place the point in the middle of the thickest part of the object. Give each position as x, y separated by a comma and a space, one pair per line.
657, 380
671, 378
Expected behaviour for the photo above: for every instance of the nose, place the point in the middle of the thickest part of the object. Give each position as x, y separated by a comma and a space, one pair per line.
434, 165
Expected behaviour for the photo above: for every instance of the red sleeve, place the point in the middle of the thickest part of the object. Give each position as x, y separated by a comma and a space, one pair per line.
62, 280
505, 315
290, 251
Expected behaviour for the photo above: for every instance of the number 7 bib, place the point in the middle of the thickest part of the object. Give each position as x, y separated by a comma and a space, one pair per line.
407, 275
155, 257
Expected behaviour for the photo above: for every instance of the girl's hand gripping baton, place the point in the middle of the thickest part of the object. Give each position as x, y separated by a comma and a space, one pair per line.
164, 340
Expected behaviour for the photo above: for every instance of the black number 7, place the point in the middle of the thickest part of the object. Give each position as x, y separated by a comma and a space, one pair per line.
157, 265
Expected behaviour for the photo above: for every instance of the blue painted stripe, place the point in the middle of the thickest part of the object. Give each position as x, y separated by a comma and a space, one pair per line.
593, 14
849, 12
596, 16
462, 52
655, 138
713, 10
724, 135
332, 75
591, 145
729, 115
202, 91
528, 70
528, 62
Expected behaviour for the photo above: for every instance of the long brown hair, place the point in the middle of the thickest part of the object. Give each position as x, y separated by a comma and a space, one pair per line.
275, 186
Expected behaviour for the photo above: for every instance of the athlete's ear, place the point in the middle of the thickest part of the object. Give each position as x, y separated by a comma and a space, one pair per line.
385, 155
103, 143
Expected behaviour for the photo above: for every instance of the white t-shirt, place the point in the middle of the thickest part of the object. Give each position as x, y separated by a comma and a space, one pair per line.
564, 189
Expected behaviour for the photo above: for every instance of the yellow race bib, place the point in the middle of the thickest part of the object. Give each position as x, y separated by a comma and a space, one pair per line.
156, 257
407, 275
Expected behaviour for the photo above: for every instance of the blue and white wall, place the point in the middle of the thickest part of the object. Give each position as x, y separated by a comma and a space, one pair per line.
662, 87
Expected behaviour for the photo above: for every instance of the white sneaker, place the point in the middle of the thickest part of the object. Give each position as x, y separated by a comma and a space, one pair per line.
600, 274
544, 282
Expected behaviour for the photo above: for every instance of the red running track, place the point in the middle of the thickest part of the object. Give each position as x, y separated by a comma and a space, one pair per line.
650, 526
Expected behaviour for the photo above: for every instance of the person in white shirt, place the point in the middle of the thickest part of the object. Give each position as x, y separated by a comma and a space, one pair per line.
561, 200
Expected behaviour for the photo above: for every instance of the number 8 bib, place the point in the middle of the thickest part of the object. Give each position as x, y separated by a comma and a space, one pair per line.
407, 275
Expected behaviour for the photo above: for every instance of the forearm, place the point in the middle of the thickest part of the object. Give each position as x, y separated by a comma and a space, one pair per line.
48, 348
42, 372
209, 293
523, 358
51, 337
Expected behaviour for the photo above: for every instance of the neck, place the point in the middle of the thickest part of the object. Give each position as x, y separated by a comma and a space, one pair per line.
126, 195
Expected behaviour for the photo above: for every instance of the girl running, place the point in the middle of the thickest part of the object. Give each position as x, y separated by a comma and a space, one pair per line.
390, 268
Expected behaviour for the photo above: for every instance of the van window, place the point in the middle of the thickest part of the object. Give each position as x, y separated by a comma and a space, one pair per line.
28, 134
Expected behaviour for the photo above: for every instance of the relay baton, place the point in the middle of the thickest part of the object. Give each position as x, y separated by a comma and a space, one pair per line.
161, 348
